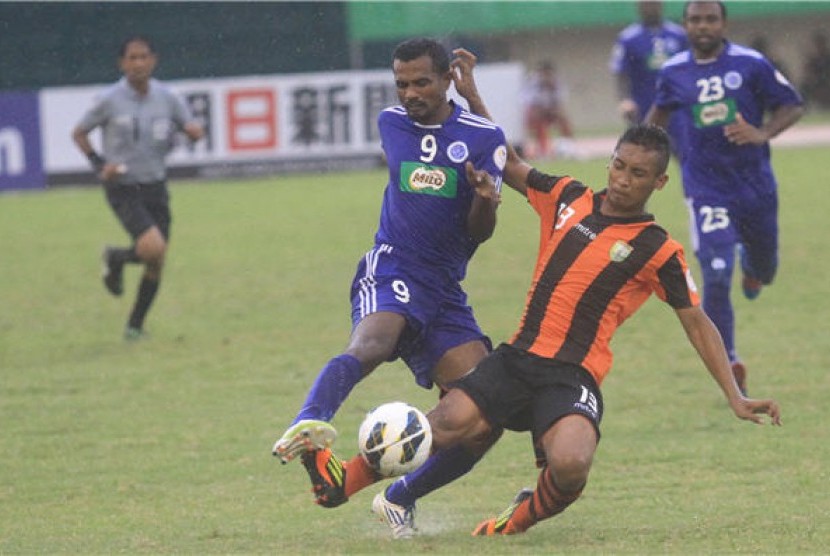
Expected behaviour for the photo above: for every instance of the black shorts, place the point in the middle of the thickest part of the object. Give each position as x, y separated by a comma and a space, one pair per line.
521, 391
140, 207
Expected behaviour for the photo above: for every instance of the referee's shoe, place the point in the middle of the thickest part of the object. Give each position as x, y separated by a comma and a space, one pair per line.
112, 273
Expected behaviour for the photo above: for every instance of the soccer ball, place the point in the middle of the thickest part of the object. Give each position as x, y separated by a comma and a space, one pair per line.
395, 439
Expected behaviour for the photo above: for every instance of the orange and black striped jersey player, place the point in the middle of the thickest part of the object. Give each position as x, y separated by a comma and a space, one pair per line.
601, 255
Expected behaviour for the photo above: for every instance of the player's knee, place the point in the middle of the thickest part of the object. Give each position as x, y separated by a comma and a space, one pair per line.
371, 352
456, 419
151, 248
483, 439
570, 469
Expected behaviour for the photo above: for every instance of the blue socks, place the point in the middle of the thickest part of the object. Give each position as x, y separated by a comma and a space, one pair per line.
717, 305
442, 467
331, 388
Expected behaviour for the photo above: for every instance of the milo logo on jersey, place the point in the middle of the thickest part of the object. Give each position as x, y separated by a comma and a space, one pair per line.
429, 180
719, 112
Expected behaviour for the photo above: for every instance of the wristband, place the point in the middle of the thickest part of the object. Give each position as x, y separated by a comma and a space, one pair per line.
96, 160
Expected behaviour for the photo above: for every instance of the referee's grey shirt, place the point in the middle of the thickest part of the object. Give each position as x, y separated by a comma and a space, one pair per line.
137, 130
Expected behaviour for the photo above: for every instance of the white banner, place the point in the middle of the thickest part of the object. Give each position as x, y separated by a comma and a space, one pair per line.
253, 120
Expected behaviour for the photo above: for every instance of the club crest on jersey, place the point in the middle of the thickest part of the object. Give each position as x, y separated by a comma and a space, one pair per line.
620, 251
733, 80
458, 152
428, 180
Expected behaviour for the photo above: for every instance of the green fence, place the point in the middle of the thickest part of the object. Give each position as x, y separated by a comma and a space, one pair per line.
381, 21
72, 43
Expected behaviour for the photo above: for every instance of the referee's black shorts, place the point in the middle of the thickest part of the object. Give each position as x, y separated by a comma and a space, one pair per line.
141, 206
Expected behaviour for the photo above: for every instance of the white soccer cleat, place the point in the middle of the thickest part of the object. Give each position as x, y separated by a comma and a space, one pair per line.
401, 520
304, 436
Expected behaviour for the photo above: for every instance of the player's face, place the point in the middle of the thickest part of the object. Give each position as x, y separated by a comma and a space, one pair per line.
651, 13
138, 62
705, 27
633, 174
422, 91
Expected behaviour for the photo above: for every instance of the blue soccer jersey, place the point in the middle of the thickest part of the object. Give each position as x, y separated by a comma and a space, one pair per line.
425, 205
709, 95
640, 52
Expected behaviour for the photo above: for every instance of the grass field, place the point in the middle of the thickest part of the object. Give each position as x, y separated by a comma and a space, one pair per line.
163, 446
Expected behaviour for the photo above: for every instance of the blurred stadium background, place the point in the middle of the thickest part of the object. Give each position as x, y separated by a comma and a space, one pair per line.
164, 448
57, 54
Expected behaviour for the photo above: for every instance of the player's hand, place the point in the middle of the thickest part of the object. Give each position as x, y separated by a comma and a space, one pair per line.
751, 410
741, 132
628, 110
482, 183
111, 170
462, 73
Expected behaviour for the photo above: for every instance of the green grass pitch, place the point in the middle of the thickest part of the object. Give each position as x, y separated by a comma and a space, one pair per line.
163, 446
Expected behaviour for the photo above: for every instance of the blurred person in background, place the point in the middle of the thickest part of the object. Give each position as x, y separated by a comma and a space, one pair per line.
139, 118
816, 76
729, 101
640, 51
543, 99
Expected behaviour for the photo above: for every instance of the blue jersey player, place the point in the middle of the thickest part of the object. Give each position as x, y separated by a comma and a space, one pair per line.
407, 300
721, 93
640, 51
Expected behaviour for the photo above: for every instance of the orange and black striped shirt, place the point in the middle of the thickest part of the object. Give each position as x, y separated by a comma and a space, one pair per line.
593, 272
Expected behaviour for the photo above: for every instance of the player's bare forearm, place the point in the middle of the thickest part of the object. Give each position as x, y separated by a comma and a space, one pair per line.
657, 116
782, 118
465, 84
105, 171
481, 220
627, 107
81, 140
708, 343
741, 132
516, 171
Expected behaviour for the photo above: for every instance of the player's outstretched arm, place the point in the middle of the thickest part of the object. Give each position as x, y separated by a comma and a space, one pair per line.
707, 341
516, 169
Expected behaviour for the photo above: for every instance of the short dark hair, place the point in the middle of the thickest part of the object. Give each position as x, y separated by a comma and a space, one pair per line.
135, 38
415, 48
721, 4
652, 138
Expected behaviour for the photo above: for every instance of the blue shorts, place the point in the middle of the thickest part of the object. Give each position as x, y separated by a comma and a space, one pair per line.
717, 226
435, 307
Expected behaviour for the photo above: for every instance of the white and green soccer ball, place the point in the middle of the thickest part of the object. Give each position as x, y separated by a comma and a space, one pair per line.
395, 439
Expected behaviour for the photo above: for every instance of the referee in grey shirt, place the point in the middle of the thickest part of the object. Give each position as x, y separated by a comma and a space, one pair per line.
139, 117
